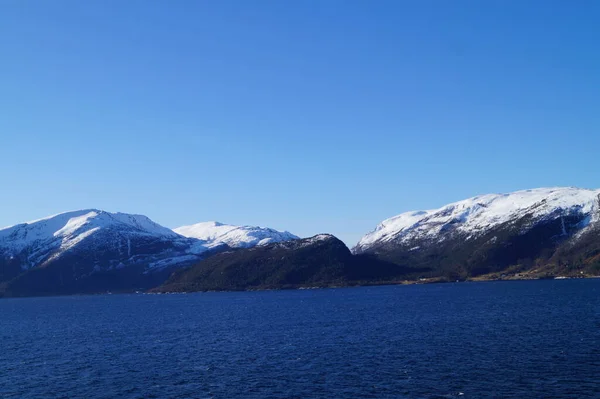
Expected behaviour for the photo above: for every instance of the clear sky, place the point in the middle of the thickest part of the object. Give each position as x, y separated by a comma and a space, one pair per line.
309, 116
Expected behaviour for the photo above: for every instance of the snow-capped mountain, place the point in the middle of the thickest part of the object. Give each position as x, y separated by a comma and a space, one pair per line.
73, 249
56, 234
41, 241
475, 216
93, 251
489, 232
235, 236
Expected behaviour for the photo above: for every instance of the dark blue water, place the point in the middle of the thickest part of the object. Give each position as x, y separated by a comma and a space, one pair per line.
536, 339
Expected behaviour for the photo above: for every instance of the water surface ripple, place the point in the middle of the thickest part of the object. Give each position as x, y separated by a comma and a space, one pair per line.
531, 339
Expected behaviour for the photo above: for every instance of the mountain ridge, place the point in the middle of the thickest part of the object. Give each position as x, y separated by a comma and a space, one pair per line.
234, 236
92, 250
537, 233
522, 230
319, 261
471, 213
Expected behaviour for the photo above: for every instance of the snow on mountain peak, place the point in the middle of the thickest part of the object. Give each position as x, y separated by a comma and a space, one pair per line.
234, 236
480, 213
71, 227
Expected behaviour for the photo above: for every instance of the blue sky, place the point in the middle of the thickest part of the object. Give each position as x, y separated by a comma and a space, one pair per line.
310, 116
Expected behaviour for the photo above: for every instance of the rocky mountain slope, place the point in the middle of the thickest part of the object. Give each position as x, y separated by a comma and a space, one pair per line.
234, 236
322, 260
547, 231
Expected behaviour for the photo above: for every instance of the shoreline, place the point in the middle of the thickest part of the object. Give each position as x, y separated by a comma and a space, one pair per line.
478, 279
425, 281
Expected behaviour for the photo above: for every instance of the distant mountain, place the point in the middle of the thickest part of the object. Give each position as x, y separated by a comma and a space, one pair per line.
92, 251
539, 232
234, 236
322, 260
535, 233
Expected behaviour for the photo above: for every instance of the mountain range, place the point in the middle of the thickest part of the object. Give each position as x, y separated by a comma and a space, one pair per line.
546, 232
92, 250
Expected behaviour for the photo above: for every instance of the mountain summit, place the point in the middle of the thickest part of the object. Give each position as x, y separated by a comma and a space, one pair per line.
45, 239
234, 236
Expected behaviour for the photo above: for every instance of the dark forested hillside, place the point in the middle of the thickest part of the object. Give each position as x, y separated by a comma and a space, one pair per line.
318, 261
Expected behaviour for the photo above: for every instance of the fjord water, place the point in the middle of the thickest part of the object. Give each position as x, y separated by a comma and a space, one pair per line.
528, 339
